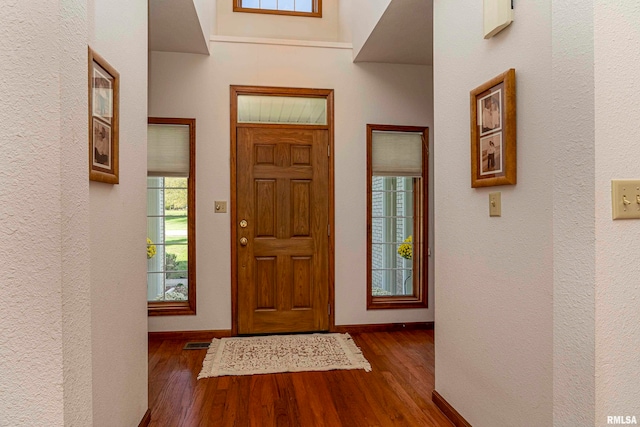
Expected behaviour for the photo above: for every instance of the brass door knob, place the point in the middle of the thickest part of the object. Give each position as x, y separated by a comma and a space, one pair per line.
244, 241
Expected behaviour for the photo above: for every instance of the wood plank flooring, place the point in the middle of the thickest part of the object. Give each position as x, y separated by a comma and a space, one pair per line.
396, 393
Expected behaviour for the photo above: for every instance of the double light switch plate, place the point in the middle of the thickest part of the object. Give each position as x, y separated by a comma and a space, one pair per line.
625, 198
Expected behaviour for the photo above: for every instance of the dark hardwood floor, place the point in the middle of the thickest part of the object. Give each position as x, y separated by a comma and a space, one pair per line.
396, 393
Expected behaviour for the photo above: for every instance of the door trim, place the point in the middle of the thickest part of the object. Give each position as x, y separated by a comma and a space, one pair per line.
278, 91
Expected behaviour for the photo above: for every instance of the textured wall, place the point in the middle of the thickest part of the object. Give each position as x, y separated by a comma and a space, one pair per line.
494, 282
574, 258
183, 85
118, 227
76, 283
30, 245
44, 258
617, 108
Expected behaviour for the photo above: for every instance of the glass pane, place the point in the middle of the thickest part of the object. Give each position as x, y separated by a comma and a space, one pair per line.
176, 259
253, 4
155, 202
175, 202
392, 282
304, 5
166, 290
282, 109
175, 182
154, 181
392, 236
176, 228
176, 289
155, 263
269, 4
155, 287
155, 229
391, 183
286, 5
176, 275
167, 225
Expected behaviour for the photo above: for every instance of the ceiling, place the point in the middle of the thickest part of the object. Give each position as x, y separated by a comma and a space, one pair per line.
174, 26
404, 35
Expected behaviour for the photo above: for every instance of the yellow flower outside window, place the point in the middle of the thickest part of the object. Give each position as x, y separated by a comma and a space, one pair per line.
151, 249
405, 250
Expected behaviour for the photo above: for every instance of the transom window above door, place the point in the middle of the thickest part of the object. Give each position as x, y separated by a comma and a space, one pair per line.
312, 8
295, 110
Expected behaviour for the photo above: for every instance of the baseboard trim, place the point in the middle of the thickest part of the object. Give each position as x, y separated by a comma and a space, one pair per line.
146, 420
448, 410
355, 329
190, 335
383, 327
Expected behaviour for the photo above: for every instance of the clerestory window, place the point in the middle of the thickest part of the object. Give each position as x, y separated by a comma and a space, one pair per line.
312, 8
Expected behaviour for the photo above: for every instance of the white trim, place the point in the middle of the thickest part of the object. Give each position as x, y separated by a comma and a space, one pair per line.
280, 42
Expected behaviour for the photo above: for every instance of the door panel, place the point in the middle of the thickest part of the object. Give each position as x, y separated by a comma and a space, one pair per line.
283, 194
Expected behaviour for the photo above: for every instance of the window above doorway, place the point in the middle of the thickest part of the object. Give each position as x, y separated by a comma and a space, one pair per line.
309, 8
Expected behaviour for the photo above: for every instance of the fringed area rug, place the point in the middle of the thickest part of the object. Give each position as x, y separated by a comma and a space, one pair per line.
282, 353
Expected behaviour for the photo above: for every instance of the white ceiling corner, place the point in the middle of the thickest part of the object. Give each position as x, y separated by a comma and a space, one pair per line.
174, 26
403, 35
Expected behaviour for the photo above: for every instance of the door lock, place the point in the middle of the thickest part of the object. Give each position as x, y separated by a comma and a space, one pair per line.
244, 223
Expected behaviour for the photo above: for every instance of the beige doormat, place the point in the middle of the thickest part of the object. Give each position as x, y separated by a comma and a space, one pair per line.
282, 353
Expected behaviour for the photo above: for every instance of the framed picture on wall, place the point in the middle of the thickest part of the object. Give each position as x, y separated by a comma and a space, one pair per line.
104, 92
493, 131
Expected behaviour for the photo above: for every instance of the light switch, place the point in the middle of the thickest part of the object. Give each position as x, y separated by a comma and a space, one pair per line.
220, 207
495, 204
625, 198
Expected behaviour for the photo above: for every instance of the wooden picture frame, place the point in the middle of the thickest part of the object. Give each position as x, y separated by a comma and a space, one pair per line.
104, 106
493, 132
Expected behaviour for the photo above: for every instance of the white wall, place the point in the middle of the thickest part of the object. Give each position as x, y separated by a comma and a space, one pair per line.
345, 10
205, 11
118, 227
184, 85
230, 23
44, 253
617, 108
365, 20
76, 248
493, 276
572, 124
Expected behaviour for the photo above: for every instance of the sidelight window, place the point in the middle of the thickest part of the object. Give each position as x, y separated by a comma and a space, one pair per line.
171, 216
396, 216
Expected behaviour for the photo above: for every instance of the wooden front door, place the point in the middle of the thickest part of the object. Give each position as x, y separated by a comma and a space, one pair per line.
282, 206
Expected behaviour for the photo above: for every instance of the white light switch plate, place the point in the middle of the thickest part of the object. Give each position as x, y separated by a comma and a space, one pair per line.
495, 204
625, 198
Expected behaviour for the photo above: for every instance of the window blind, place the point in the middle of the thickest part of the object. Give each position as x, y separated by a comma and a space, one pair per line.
167, 150
396, 153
